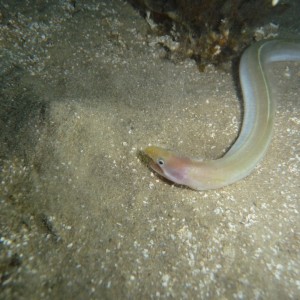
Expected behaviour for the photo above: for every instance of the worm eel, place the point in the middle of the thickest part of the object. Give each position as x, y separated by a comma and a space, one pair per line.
255, 134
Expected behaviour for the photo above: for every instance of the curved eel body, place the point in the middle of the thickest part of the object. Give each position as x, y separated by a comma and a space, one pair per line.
256, 131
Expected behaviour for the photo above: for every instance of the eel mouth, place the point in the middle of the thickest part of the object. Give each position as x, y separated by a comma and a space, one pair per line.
151, 160
155, 167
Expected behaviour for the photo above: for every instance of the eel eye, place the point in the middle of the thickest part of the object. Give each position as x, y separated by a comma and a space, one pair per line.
160, 161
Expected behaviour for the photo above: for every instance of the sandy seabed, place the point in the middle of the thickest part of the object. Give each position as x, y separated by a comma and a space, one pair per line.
82, 216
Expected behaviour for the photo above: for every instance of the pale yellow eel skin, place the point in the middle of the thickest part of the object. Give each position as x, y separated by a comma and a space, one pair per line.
256, 131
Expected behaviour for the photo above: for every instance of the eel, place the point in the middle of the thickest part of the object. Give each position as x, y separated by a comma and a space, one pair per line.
256, 131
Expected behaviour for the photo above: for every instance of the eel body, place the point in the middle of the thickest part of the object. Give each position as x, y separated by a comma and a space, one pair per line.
255, 134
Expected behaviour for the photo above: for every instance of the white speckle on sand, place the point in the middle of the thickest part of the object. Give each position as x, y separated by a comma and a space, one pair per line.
146, 253
165, 280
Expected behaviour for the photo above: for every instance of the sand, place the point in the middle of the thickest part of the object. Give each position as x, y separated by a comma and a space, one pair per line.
83, 217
